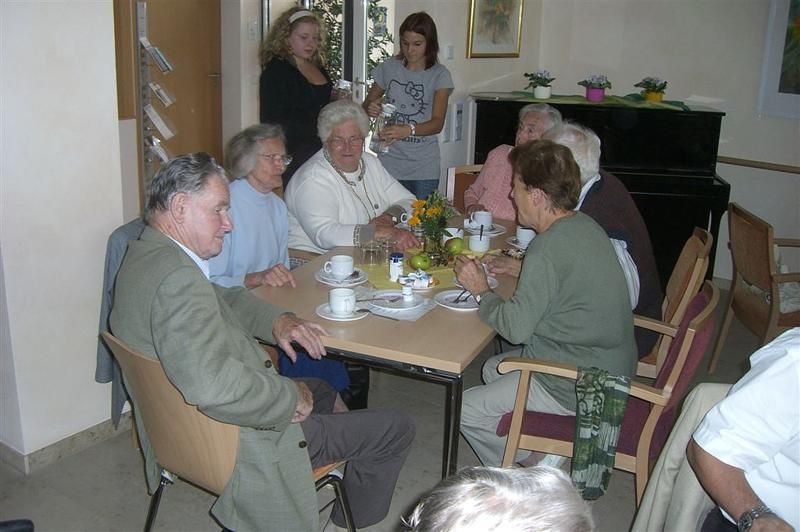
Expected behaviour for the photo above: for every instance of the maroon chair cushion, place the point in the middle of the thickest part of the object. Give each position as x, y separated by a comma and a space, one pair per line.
563, 427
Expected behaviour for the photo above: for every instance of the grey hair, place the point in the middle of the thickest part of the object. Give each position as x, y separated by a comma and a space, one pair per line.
186, 173
551, 113
241, 152
337, 113
584, 145
479, 499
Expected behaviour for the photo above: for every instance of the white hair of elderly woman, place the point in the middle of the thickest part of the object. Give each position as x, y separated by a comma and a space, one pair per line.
481, 499
582, 142
553, 115
337, 113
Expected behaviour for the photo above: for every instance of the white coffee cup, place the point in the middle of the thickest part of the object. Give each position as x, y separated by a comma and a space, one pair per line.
481, 218
342, 301
340, 267
524, 235
452, 232
479, 243
404, 218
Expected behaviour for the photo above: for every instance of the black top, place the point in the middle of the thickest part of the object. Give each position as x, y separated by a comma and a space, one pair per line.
288, 99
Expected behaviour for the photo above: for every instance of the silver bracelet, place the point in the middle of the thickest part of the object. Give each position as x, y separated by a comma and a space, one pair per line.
357, 235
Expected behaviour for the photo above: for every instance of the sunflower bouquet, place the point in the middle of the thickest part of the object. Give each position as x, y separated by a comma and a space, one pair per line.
429, 217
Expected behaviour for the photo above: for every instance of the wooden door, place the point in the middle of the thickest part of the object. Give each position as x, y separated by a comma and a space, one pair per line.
188, 33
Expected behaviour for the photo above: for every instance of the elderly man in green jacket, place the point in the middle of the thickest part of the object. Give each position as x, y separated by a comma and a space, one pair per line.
205, 337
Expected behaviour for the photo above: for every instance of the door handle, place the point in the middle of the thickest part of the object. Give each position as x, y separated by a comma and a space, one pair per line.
215, 75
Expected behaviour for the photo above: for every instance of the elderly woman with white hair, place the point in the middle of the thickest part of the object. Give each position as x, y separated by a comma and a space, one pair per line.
608, 202
343, 196
491, 191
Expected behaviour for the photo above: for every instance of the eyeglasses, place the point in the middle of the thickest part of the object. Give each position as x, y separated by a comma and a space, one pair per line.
339, 143
277, 158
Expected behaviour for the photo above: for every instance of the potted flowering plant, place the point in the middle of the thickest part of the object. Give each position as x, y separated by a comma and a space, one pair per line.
652, 88
596, 86
540, 81
430, 216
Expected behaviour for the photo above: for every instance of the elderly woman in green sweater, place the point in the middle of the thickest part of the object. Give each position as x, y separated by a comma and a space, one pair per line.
571, 304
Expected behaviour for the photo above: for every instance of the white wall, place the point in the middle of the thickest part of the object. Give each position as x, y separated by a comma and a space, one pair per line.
710, 51
60, 178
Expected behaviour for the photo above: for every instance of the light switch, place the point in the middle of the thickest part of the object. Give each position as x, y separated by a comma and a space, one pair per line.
449, 52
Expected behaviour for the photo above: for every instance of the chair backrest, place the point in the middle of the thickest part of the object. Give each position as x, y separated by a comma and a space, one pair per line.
185, 441
752, 250
459, 178
691, 341
687, 275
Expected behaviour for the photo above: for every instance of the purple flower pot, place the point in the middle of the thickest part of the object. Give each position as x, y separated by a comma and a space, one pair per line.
595, 95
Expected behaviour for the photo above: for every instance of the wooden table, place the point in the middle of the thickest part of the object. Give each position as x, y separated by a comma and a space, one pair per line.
436, 348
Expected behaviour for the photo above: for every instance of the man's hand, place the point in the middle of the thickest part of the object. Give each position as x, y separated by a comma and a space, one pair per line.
278, 275
771, 523
383, 219
305, 402
471, 274
289, 328
502, 265
405, 239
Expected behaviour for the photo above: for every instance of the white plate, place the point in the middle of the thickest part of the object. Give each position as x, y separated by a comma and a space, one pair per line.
512, 241
493, 283
400, 304
324, 311
447, 297
494, 230
326, 278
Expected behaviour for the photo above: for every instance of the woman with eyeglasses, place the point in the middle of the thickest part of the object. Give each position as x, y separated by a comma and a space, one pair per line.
343, 196
256, 251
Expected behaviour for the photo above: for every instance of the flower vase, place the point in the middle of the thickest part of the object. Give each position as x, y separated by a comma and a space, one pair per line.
652, 96
594, 94
541, 93
435, 249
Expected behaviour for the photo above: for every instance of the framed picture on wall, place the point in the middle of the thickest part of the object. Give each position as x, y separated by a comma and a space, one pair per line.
495, 28
779, 94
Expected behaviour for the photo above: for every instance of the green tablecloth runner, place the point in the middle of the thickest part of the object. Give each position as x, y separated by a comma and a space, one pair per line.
634, 100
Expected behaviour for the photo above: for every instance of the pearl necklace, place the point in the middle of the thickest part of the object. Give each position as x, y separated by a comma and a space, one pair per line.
361, 170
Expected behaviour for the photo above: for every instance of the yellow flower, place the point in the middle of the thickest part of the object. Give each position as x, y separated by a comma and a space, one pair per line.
418, 203
434, 211
413, 221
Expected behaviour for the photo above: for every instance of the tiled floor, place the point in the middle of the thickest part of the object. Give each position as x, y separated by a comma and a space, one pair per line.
102, 488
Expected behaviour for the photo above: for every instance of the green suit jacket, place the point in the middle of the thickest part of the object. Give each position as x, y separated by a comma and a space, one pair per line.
204, 336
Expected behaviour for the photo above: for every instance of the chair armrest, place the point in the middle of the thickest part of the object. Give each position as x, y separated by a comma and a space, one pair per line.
649, 394
658, 326
787, 242
538, 366
787, 277
638, 389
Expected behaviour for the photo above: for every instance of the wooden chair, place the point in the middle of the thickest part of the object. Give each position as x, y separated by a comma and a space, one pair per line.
459, 178
757, 306
651, 410
684, 283
186, 442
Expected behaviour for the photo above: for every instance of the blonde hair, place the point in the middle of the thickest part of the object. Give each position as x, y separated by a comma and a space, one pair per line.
276, 43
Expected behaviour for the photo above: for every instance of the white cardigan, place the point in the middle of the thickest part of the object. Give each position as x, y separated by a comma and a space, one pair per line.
324, 210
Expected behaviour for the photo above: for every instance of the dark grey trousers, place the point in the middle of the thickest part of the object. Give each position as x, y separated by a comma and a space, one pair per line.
375, 443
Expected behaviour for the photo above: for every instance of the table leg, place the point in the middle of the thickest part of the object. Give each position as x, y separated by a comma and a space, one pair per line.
452, 425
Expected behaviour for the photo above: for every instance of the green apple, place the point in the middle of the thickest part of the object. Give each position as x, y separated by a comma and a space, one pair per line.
421, 261
454, 246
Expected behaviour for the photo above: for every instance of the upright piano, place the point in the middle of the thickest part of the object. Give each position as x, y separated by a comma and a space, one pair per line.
666, 157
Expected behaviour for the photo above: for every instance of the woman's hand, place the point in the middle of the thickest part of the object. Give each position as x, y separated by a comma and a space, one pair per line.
502, 265
471, 275
405, 239
278, 275
391, 134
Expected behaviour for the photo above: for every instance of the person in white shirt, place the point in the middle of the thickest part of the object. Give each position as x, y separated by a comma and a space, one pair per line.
343, 196
746, 452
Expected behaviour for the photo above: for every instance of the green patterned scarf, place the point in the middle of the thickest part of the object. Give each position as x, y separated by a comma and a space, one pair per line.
601, 406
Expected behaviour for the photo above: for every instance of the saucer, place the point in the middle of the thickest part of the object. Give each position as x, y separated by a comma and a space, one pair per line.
324, 311
326, 278
512, 241
493, 230
400, 304
447, 298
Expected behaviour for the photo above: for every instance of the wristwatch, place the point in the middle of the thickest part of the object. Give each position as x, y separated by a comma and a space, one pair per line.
478, 297
413, 127
746, 519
